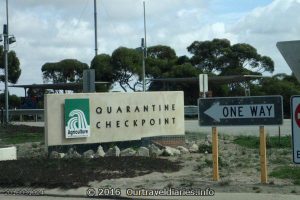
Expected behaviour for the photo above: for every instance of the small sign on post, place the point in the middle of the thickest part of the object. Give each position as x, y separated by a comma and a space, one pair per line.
88, 80
237, 111
295, 116
203, 84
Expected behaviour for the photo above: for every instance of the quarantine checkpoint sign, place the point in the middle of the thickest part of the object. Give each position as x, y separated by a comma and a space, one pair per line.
295, 116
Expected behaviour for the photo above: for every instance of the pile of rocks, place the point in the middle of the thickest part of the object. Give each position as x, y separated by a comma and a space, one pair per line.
150, 151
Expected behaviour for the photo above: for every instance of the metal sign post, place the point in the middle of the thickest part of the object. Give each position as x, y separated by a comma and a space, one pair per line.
89, 80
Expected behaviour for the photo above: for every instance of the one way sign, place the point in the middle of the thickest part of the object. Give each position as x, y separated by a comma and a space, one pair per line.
262, 110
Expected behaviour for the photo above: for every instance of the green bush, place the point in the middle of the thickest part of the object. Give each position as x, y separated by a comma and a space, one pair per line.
272, 141
287, 172
204, 147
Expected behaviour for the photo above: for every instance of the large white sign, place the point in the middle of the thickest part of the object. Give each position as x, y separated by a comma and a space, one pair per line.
295, 115
112, 116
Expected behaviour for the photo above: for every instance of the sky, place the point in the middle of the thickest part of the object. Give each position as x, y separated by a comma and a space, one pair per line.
52, 30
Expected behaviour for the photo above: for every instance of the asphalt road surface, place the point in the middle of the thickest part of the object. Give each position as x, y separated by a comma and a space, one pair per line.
5, 197
285, 129
218, 196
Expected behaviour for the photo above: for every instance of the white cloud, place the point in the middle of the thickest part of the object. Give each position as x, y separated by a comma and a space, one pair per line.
265, 26
52, 30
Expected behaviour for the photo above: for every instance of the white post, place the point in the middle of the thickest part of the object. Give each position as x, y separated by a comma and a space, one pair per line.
203, 84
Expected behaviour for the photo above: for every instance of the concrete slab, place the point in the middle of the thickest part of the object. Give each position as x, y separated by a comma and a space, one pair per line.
8, 153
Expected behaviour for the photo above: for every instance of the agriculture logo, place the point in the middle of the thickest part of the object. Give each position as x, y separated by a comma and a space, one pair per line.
77, 118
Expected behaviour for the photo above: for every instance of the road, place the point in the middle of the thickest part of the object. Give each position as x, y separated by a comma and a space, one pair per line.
5, 197
218, 196
192, 126
285, 129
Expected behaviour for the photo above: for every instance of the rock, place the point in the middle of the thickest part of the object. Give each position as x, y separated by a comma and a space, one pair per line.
143, 151
54, 155
62, 155
226, 142
204, 147
154, 151
183, 150
208, 139
114, 151
88, 154
72, 154
207, 143
71, 151
194, 148
100, 152
189, 143
169, 151
128, 152
76, 155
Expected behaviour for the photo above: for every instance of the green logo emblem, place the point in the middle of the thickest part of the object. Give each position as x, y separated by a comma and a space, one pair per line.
77, 118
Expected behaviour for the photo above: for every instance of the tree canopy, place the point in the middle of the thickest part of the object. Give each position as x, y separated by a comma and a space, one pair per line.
14, 101
279, 84
217, 57
14, 70
103, 71
65, 71
126, 64
220, 57
162, 62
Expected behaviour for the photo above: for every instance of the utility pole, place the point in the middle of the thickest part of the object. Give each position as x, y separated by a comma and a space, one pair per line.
145, 31
6, 49
88, 83
144, 49
143, 69
7, 15
8, 39
95, 25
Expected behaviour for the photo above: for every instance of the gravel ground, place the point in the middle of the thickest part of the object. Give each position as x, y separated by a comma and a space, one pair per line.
239, 171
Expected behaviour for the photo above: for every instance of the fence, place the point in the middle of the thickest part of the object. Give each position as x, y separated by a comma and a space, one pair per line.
191, 111
23, 115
